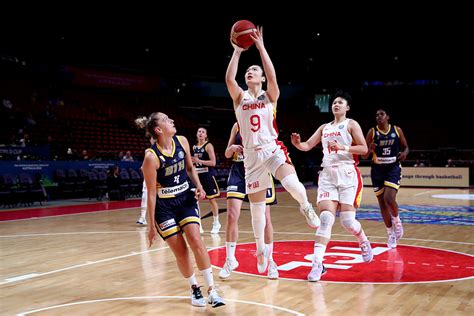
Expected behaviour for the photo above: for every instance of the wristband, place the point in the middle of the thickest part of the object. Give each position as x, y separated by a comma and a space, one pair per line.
346, 148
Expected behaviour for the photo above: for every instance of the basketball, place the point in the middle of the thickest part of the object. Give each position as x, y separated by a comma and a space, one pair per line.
240, 33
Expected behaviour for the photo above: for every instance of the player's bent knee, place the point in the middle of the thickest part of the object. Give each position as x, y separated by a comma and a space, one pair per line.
327, 221
349, 222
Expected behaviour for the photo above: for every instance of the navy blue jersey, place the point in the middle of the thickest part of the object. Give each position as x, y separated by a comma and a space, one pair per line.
201, 153
236, 179
171, 177
238, 157
388, 145
385, 175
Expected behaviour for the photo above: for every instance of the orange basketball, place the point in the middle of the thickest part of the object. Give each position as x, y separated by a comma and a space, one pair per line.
241, 33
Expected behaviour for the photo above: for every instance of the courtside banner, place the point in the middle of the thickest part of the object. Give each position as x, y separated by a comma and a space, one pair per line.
427, 177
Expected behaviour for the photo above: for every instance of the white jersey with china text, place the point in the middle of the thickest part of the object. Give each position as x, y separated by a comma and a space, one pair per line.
337, 132
257, 120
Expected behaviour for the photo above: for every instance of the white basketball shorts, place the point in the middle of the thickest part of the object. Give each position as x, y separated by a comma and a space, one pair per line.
340, 183
259, 162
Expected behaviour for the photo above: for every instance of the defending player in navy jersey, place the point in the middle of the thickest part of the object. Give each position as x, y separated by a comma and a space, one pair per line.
172, 206
388, 147
204, 160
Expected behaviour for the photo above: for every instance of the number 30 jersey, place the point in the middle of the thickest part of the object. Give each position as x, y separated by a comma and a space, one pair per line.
257, 120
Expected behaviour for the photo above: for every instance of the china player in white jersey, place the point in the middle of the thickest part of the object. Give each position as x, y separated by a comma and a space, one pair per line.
256, 111
340, 182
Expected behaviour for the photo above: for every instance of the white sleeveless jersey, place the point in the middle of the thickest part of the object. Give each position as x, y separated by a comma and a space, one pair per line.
340, 134
257, 120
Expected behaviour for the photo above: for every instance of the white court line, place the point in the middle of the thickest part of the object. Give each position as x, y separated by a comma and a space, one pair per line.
73, 233
372, 237
426, 192
32, 275
242, 231
22, 277
161, 297
462, 197
62, 215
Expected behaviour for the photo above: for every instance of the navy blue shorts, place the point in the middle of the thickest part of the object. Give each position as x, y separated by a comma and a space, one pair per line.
388, 175
236, 186
209, 185
172, 214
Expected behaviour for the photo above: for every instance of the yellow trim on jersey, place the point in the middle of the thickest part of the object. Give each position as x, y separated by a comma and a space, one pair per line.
152, 151
203, 145
388, 131
374, 157
177, 137
189, 219
271, 199
218, 191
172, 151
236, 195
390, 184
169, 231
396, 130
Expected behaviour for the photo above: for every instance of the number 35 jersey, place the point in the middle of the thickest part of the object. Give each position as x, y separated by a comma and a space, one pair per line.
257, 120
388, 145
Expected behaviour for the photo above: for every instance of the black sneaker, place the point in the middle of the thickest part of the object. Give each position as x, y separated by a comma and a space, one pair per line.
196, 296
324, 270
215, 299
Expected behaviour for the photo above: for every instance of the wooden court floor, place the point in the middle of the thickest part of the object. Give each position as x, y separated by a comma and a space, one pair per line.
99, 264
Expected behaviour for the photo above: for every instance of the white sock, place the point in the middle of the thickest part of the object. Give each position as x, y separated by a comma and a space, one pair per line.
143, 204
396, 219
192, 280
389, 231
361, 236
258, 224
216, 219
208, 277
319, 250
295, 188
230, 249
270, 249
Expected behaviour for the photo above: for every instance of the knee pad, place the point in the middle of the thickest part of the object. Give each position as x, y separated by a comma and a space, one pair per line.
349, 222
258, 223
257, 210
292, 184
327, 220
290, 181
